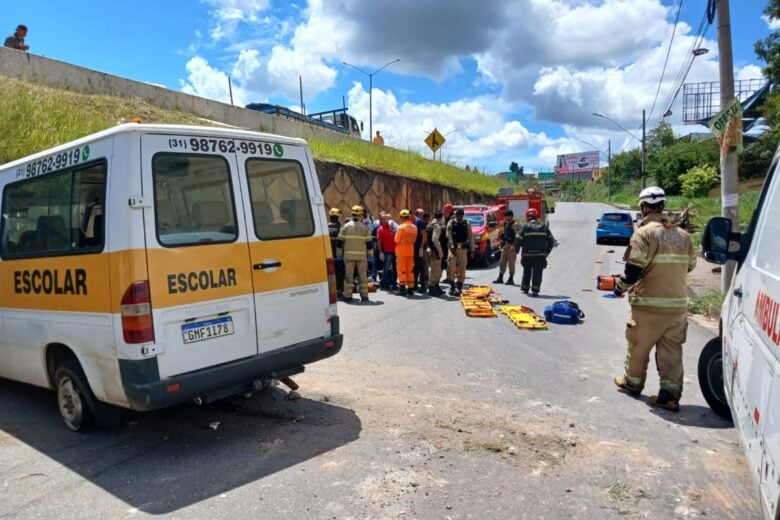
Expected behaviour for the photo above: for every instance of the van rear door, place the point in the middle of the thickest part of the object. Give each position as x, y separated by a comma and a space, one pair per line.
200, 275
287, 244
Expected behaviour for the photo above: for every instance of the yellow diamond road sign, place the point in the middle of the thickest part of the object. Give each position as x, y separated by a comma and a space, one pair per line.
435, 140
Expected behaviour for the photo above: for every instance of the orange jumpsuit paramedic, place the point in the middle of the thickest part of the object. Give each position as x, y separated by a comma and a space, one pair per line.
404, 253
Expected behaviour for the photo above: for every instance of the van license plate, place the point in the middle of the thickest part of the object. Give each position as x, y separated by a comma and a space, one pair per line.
203, 330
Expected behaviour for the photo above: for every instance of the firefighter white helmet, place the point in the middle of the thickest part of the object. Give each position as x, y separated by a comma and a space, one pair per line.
652, 195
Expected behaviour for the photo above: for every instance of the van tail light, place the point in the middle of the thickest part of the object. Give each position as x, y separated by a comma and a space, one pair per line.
136, 310
330, 264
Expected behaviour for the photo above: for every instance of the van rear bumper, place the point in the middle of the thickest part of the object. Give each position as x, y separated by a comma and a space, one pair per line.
145, 391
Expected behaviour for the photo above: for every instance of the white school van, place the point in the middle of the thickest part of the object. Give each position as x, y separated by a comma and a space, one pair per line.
739, 372
148, 265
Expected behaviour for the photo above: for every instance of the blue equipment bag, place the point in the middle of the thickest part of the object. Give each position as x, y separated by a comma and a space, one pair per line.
564, 311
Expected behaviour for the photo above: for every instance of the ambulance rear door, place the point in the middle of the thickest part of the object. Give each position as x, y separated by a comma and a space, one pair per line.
200, 274
287, 245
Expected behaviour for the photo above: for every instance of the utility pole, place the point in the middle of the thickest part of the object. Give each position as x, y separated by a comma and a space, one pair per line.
644, 153
729, 178
609, 171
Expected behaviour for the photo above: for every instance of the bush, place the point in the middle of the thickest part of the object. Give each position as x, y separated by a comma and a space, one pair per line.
697, 181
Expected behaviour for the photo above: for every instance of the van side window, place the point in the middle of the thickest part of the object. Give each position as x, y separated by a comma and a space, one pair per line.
193, 200
55, 214
767, 244
280, 201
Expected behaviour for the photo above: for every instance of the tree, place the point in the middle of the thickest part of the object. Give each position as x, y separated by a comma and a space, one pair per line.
697, 181
659, 137
768, 49
513, 167
673, 161
625, 166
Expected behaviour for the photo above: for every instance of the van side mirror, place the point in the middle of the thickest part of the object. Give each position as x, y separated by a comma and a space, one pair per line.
716, 239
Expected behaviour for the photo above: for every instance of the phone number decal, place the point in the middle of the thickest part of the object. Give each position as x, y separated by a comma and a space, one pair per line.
202, 144
54, 163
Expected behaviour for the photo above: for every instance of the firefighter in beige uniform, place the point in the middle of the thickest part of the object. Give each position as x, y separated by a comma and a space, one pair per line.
657, 263
461, 243
509, 235
356, 241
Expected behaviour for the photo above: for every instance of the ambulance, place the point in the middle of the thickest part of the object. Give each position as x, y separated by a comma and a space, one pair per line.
149, 265
739, 371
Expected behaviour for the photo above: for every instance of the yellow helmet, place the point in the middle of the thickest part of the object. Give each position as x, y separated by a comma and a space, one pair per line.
334, 212
405, 213
357, 209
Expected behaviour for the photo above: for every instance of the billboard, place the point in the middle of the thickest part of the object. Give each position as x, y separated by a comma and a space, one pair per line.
577, 163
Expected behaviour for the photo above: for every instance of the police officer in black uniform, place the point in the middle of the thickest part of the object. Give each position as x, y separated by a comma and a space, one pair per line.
334, 227
536, 242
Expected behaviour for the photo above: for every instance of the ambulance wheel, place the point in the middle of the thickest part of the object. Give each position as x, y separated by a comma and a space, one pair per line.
77, 404
711, 378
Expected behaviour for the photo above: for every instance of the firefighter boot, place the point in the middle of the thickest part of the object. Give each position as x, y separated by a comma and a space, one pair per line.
630, 388
500, 278
364, 298
665, 400
459, 288
510, 280
453, 291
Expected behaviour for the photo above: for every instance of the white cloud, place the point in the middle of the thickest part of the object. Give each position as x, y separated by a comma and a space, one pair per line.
772, 23
208, 82
748, 72
230, 13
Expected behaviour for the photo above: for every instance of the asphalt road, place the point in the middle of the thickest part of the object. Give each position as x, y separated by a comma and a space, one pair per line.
424, 414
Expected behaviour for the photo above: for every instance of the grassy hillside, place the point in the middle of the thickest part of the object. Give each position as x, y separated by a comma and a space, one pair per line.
36, 117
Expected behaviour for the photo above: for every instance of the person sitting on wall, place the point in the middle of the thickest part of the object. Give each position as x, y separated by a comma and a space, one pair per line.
16, 40
378, 139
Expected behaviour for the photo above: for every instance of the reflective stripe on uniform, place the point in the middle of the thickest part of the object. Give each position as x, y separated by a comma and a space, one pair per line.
669, 303
671, 385
359, 237
671, 258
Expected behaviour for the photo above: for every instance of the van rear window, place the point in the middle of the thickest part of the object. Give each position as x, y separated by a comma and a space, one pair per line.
280, 200
55, 214
193, 198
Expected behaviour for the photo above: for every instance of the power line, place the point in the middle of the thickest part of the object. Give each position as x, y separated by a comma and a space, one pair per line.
701, 32
666, 60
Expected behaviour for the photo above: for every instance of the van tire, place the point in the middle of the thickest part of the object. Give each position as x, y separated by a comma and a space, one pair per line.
711, 378
78, 406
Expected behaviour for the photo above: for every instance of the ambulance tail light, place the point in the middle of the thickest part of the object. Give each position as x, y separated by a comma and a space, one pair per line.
330, 264
136, 310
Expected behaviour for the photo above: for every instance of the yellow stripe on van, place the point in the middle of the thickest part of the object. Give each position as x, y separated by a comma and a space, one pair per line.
177, 276
78, 283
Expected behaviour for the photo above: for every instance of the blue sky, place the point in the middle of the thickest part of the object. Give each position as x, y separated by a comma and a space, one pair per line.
504, 80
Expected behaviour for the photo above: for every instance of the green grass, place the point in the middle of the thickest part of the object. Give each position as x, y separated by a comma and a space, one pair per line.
36, 117
708, 303
404, 163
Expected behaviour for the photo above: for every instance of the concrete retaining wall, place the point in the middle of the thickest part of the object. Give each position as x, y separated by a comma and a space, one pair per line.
59, 74
344, 186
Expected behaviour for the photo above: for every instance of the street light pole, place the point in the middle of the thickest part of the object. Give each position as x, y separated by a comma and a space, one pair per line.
371, 91
640, 141
609, 164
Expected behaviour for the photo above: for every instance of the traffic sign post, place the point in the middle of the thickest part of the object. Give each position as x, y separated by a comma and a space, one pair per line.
435, 141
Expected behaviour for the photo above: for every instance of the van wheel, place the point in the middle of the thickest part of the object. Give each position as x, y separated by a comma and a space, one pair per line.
711, 378
77, 404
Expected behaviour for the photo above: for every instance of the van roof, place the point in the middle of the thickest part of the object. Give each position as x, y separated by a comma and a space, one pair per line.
140, 128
